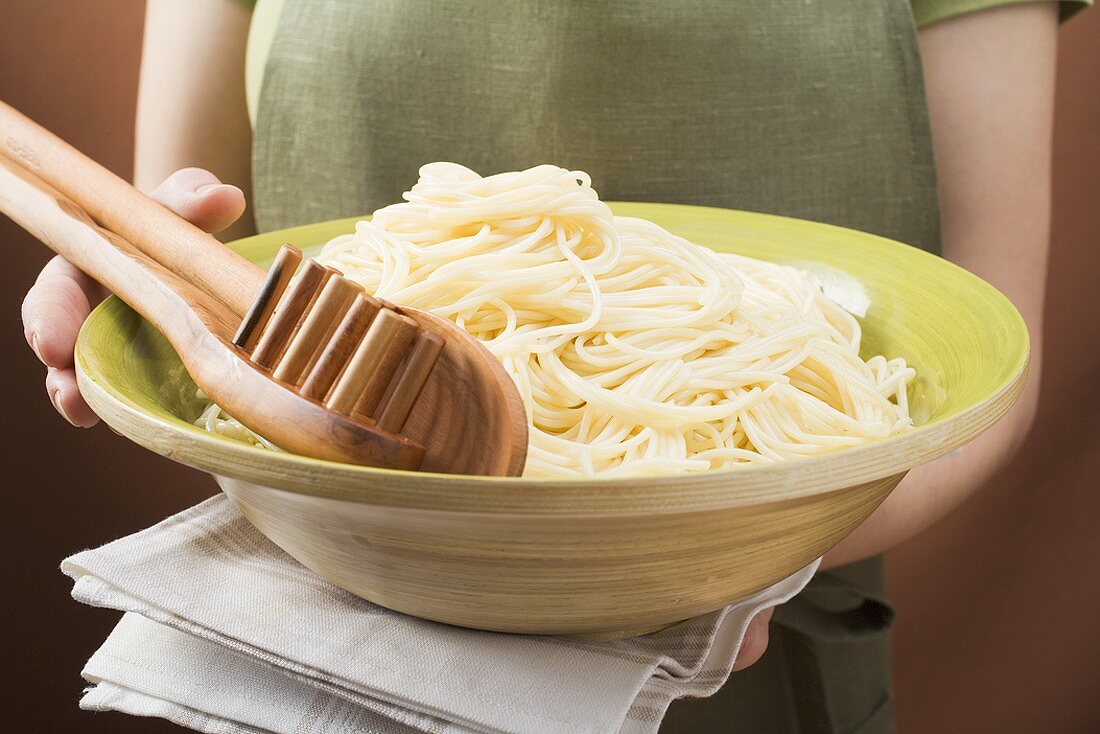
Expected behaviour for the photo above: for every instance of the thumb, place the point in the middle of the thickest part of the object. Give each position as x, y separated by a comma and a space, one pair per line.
199, 197
755, 642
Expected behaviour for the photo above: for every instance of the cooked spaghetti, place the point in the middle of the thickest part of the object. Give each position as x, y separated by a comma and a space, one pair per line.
634, 350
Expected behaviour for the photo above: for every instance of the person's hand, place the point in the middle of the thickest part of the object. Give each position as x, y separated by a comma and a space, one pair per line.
755, 642
62, 296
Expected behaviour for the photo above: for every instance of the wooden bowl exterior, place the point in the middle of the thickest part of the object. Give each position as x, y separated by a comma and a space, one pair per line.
601, 575
595, 557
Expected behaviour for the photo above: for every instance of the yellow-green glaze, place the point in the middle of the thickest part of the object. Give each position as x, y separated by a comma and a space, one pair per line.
966, 340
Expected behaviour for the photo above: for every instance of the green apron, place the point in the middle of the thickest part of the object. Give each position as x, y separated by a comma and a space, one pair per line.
805, 108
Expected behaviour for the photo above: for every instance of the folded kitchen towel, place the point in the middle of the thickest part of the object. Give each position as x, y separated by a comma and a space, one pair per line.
224, 632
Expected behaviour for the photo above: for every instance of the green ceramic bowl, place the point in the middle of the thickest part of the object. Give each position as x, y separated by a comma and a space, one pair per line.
967, 343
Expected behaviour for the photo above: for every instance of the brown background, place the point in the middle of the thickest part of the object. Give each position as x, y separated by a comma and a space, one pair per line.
998, 606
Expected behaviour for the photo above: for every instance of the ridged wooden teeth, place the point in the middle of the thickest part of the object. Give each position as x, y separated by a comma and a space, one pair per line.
321, 334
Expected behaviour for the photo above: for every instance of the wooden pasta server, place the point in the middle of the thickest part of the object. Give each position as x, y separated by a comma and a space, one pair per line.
301, 356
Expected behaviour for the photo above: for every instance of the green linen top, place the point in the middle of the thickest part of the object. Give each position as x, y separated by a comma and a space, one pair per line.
806, 109
265, 19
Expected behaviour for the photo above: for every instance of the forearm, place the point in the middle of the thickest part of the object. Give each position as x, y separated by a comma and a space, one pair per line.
931, 491
191, 97
990, 81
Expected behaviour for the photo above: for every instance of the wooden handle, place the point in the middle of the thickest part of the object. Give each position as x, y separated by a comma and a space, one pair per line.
149, 287
199, 327
180, 246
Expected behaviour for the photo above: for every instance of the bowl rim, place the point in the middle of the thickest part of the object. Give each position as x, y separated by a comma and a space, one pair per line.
791, 480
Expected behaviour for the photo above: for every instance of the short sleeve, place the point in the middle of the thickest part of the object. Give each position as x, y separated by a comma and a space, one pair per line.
927, 12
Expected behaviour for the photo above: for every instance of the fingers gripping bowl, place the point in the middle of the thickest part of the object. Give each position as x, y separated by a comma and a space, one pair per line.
605, 556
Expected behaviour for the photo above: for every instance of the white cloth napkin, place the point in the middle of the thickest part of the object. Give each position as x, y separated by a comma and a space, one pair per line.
224, 632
